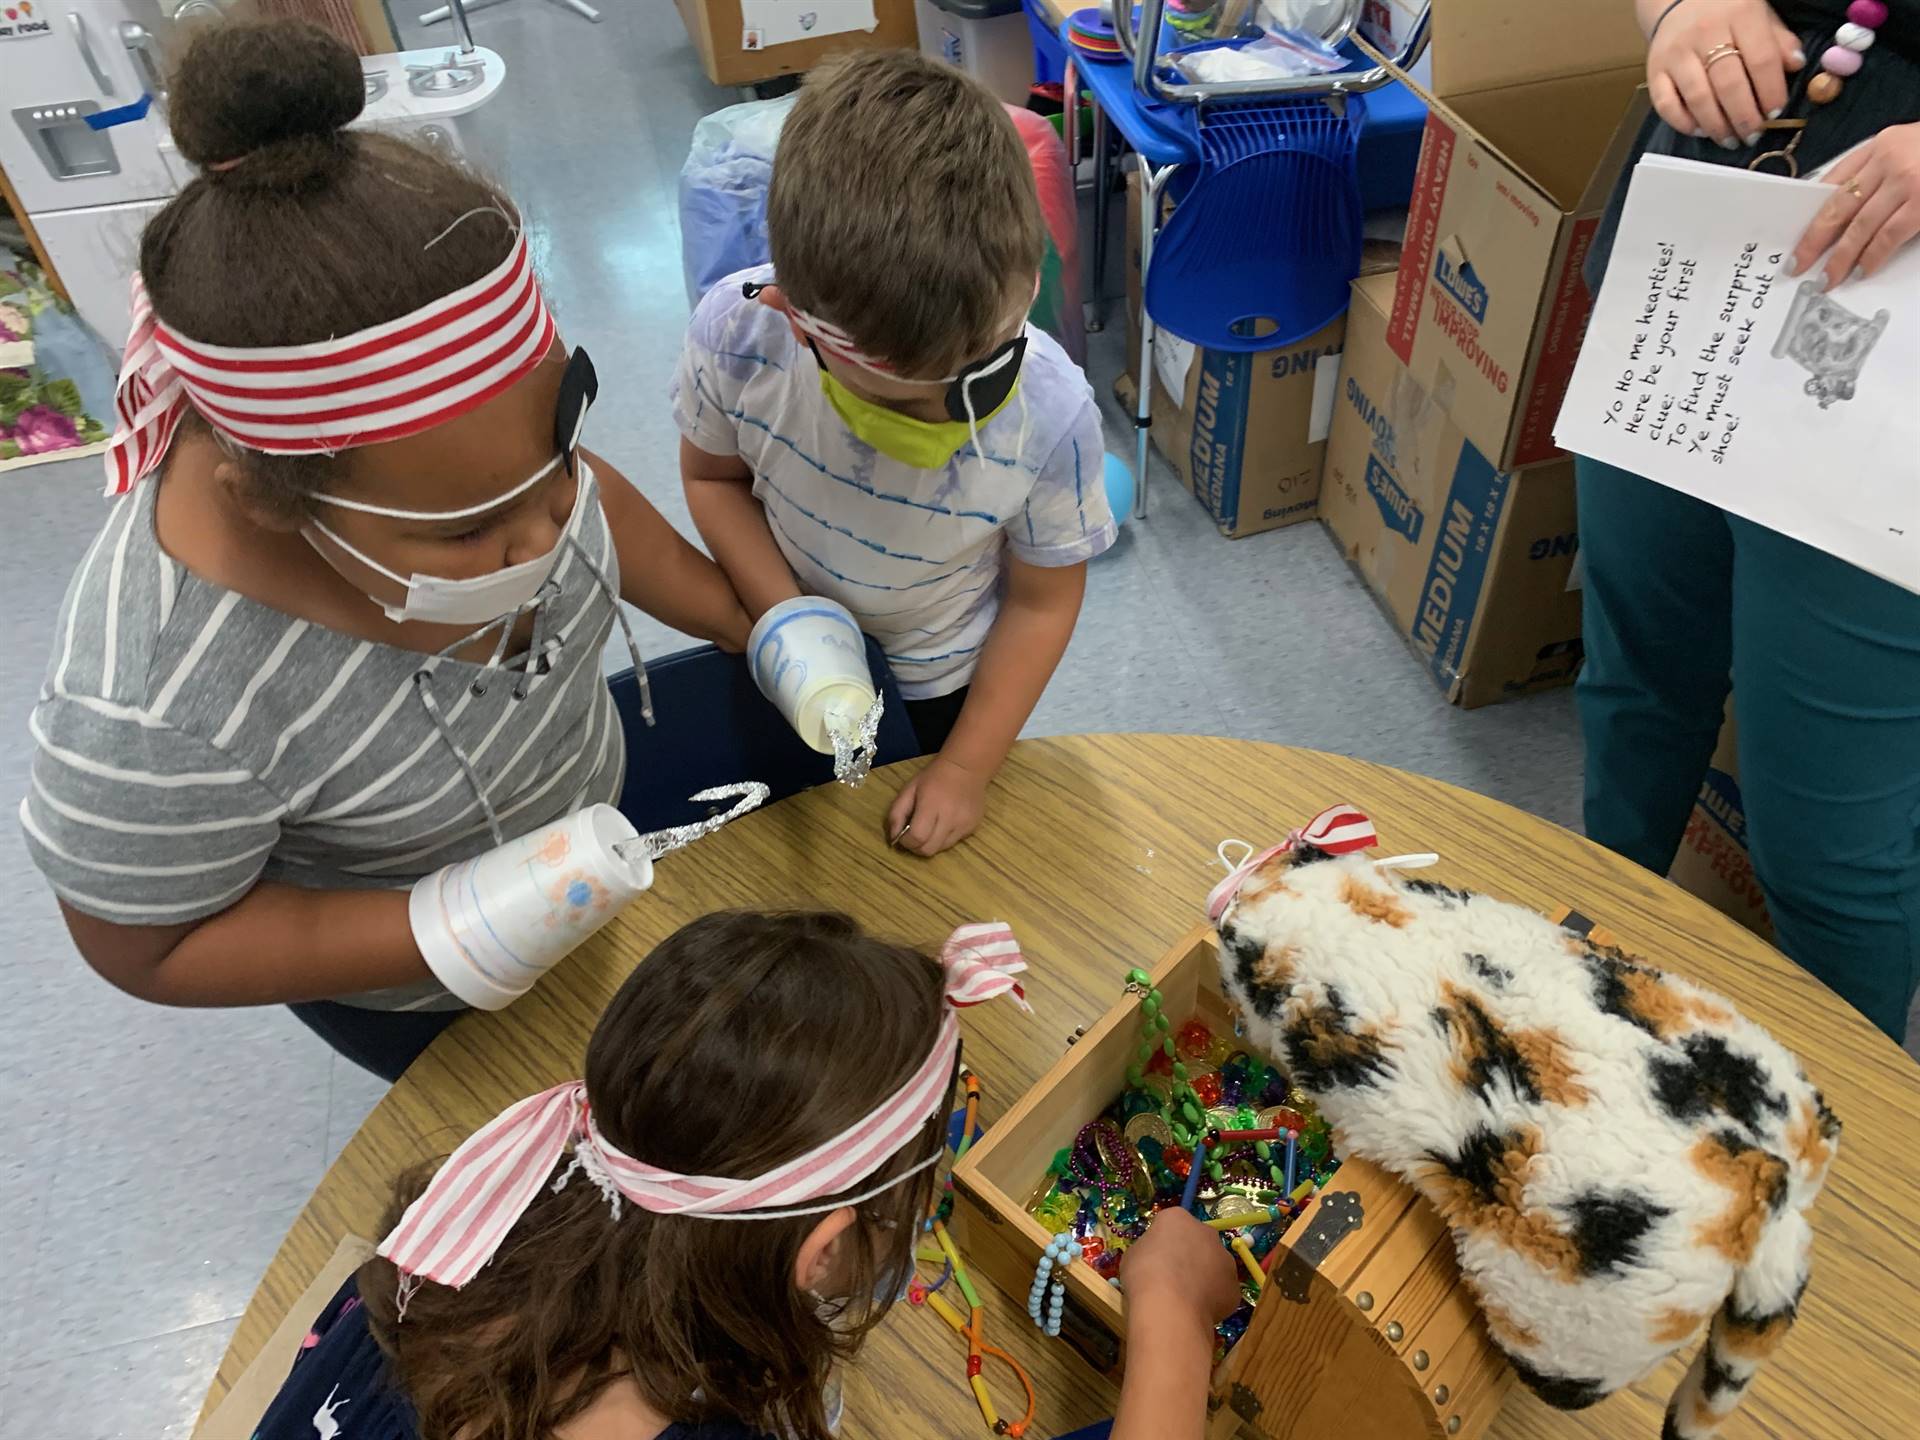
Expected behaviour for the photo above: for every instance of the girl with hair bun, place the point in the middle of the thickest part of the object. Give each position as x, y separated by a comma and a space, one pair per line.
343, 627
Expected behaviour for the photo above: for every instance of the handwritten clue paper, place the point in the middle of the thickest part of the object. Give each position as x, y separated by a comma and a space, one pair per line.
1708, 369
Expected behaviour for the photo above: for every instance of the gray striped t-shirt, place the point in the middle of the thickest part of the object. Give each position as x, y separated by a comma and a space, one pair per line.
192, 742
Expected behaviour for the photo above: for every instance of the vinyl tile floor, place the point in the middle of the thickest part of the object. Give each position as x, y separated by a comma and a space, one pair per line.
151, 1160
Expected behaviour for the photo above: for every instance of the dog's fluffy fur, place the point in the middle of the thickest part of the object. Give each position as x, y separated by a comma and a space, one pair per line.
1623, 1159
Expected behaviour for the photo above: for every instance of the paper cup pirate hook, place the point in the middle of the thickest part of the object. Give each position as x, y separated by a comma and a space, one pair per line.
490, 927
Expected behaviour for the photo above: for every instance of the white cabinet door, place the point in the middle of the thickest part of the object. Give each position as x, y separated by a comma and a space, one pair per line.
96, 251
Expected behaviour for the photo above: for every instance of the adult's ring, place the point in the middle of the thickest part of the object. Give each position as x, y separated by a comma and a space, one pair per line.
1852, 187
1719, 52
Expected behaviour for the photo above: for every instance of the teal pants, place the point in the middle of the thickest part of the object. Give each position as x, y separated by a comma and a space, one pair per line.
1683, 599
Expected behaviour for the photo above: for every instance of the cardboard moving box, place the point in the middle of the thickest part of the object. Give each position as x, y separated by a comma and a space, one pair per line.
1475, 564
1713, 862
732, 52
1533, 110
1245, 433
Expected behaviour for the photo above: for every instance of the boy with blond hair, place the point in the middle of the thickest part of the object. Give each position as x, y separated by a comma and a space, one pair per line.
871, 419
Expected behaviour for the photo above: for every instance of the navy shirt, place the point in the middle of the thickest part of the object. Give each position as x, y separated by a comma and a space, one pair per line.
340, 1389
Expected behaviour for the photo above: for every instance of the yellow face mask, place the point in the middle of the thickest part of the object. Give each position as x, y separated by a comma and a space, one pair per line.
923, 444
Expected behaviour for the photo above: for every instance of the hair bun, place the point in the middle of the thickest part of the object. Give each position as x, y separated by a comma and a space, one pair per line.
274, 94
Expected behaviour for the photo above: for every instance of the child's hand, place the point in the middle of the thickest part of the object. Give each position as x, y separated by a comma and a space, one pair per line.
1180, 1267
938, 808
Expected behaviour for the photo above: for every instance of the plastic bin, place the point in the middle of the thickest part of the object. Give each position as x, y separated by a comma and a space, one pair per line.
986, 38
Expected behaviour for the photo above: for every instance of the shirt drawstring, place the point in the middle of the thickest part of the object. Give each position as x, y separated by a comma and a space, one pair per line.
626, 630
535, 665
423, 687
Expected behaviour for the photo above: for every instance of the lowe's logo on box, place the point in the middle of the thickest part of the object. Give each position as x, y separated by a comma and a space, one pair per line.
1460, 282
1397, 508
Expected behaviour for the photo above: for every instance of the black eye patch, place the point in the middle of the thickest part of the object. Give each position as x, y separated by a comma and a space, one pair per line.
579, 388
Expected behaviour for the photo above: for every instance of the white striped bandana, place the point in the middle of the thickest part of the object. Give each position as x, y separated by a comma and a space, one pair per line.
1338, 830
450, 1233
382, 383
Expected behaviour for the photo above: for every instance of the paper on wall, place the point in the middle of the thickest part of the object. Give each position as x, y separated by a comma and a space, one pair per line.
764, 23
1708, 369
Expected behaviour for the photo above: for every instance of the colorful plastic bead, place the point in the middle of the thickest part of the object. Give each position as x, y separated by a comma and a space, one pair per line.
1824, 88
1870, 13
1139, 977
1057, 1213
1195, 1040
1838, 60
1854, 37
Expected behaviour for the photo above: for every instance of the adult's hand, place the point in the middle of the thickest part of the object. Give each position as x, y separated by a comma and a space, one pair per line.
1703, 88
1873, 211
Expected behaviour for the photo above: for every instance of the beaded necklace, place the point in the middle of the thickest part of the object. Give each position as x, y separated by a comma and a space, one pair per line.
1838, 62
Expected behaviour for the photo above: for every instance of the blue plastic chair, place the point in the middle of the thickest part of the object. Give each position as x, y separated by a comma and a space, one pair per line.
712, 726
1261, 247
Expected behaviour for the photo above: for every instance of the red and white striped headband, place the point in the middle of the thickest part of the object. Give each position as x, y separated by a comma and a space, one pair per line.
383, 383
1338, 830
450, 1233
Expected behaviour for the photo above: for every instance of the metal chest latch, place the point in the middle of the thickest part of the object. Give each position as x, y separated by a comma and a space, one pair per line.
1337, 1216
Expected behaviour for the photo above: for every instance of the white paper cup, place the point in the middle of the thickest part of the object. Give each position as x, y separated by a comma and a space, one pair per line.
491, 926
810, 659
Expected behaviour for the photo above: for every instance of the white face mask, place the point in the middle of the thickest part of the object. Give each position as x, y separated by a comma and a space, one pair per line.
435, 599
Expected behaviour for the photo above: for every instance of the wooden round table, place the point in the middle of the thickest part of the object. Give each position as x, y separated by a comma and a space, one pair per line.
1100, 850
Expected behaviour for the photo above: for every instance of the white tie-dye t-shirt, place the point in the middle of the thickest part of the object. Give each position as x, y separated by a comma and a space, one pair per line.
915, 554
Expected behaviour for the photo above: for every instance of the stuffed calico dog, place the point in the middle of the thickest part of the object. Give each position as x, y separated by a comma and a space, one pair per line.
1622, 1159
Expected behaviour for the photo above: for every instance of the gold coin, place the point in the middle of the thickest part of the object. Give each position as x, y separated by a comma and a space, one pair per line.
1142, 1185
1221, 1117
1231, 1204
1149, 1126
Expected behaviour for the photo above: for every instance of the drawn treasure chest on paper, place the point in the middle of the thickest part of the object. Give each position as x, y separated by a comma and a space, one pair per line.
1829, 341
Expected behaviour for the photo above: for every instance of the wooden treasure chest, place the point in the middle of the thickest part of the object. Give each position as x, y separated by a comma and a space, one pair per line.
1363, 1328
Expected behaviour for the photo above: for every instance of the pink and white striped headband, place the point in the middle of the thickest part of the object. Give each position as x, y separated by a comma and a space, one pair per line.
450, 1233
383, 383
1338, 830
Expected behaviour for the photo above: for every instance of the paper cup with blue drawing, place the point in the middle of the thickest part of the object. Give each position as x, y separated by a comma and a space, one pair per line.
810, 659
490, 927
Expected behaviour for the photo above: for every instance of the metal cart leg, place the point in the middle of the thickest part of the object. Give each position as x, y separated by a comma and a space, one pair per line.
1102, 186
1152, 184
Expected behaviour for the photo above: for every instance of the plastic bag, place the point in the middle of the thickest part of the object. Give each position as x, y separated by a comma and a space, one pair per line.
1275, 54
723, 192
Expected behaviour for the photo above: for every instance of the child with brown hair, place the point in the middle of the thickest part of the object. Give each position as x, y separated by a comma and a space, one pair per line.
681, 1246
871, 418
